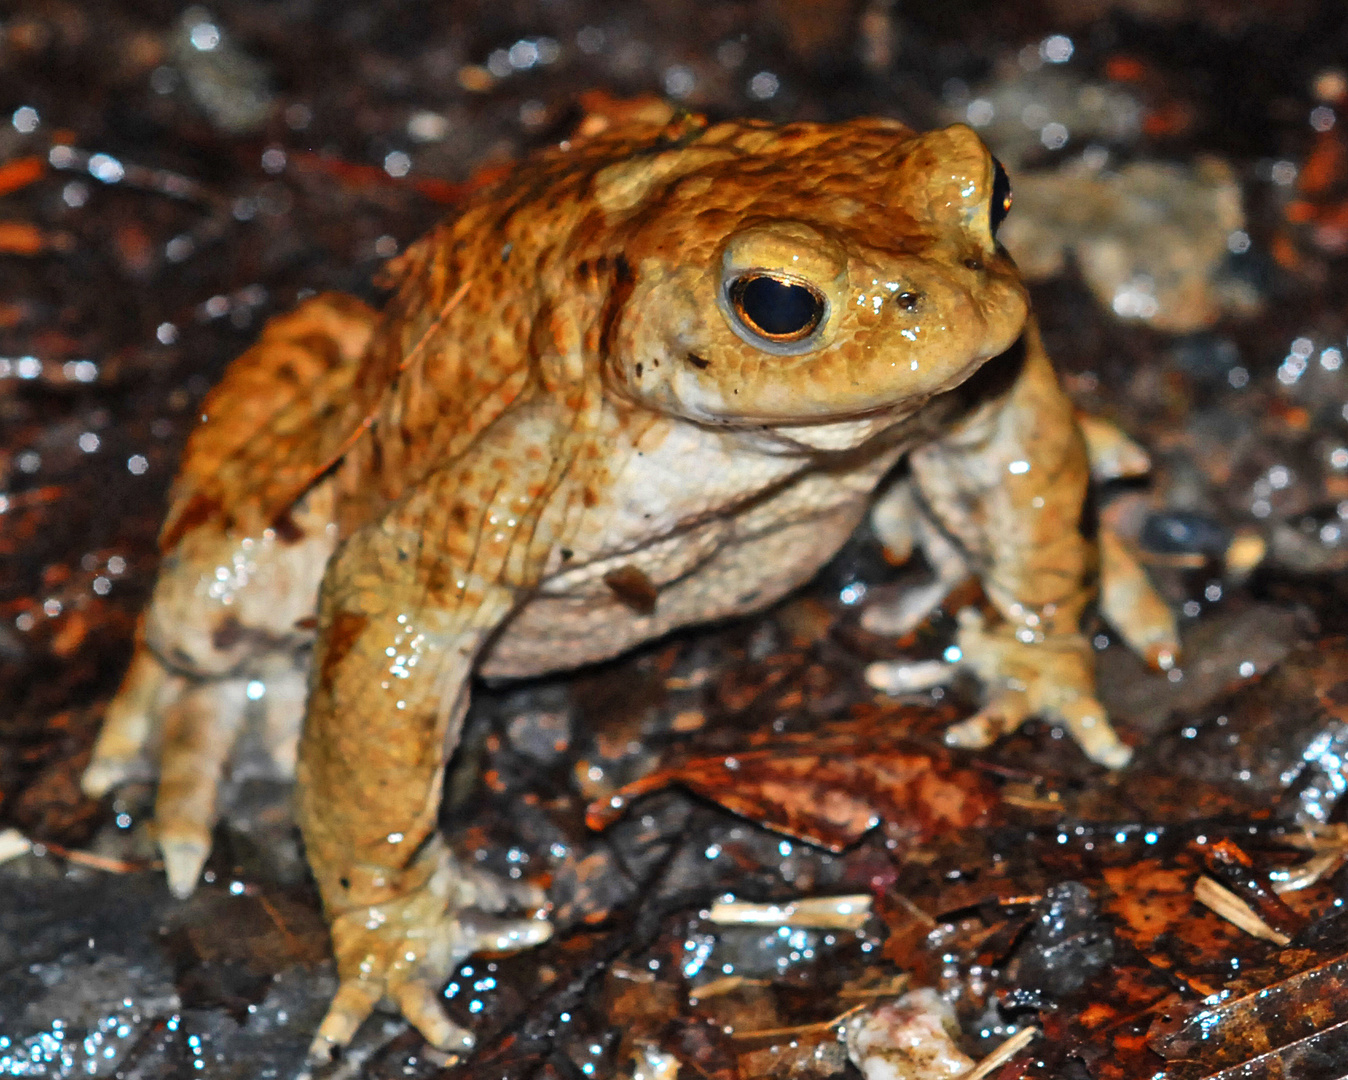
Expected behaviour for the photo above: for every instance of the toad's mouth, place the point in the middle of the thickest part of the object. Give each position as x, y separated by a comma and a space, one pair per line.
837, 435
813, 426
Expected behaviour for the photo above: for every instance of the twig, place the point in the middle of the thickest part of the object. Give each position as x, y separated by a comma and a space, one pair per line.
1004, 1053
1220, 899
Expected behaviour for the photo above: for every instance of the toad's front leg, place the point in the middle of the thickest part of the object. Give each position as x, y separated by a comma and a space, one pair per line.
406, 606
1010, 486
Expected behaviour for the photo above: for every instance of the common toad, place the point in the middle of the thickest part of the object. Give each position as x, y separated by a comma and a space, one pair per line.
649, 378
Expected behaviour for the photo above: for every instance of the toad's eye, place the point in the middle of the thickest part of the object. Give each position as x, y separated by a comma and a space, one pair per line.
1001, 195
778, 309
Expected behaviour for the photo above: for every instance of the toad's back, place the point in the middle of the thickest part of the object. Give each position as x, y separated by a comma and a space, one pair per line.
538, 259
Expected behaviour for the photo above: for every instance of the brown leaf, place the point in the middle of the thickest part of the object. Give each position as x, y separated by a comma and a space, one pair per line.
1110, 1032
827, 788
1294, 1027
704, 1049
52, 806
1159, 915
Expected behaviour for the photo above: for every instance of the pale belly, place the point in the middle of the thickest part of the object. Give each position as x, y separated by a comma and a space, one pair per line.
710, 577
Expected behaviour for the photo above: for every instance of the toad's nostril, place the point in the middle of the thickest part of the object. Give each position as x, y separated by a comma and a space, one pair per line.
909, 301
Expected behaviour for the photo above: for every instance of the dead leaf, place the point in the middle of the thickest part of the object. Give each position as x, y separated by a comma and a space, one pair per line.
1294, 1027
827, 788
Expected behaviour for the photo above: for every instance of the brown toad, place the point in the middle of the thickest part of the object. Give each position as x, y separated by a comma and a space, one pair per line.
647, 379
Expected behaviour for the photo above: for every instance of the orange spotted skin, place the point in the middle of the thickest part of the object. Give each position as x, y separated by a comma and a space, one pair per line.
562, 438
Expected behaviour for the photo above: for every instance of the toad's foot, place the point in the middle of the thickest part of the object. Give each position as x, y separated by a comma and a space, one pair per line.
1051, 677
193, 727
405, 948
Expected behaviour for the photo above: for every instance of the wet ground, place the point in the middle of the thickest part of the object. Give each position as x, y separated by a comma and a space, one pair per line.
170, 177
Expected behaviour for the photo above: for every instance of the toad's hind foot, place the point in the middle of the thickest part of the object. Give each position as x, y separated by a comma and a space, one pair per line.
189, 731
1051, 677
404, 948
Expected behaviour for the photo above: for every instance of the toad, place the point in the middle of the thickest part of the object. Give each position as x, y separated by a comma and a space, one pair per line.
649, 378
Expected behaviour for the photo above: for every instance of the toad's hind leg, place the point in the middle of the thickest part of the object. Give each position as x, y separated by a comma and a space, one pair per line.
229, 623
201, 733
250, 527
190, 725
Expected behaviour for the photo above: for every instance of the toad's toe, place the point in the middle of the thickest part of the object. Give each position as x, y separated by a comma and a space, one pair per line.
405, 947
104, 774
184, 856
1131, 604
130, 724
355, 1000
420, 1004
1026, 674
1086, 720
1001, 716
489, 933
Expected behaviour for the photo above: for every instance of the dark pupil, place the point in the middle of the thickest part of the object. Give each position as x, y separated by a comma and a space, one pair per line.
1001, 195
778, 308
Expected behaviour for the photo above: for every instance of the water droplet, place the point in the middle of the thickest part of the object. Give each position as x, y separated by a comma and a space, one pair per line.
25, 119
